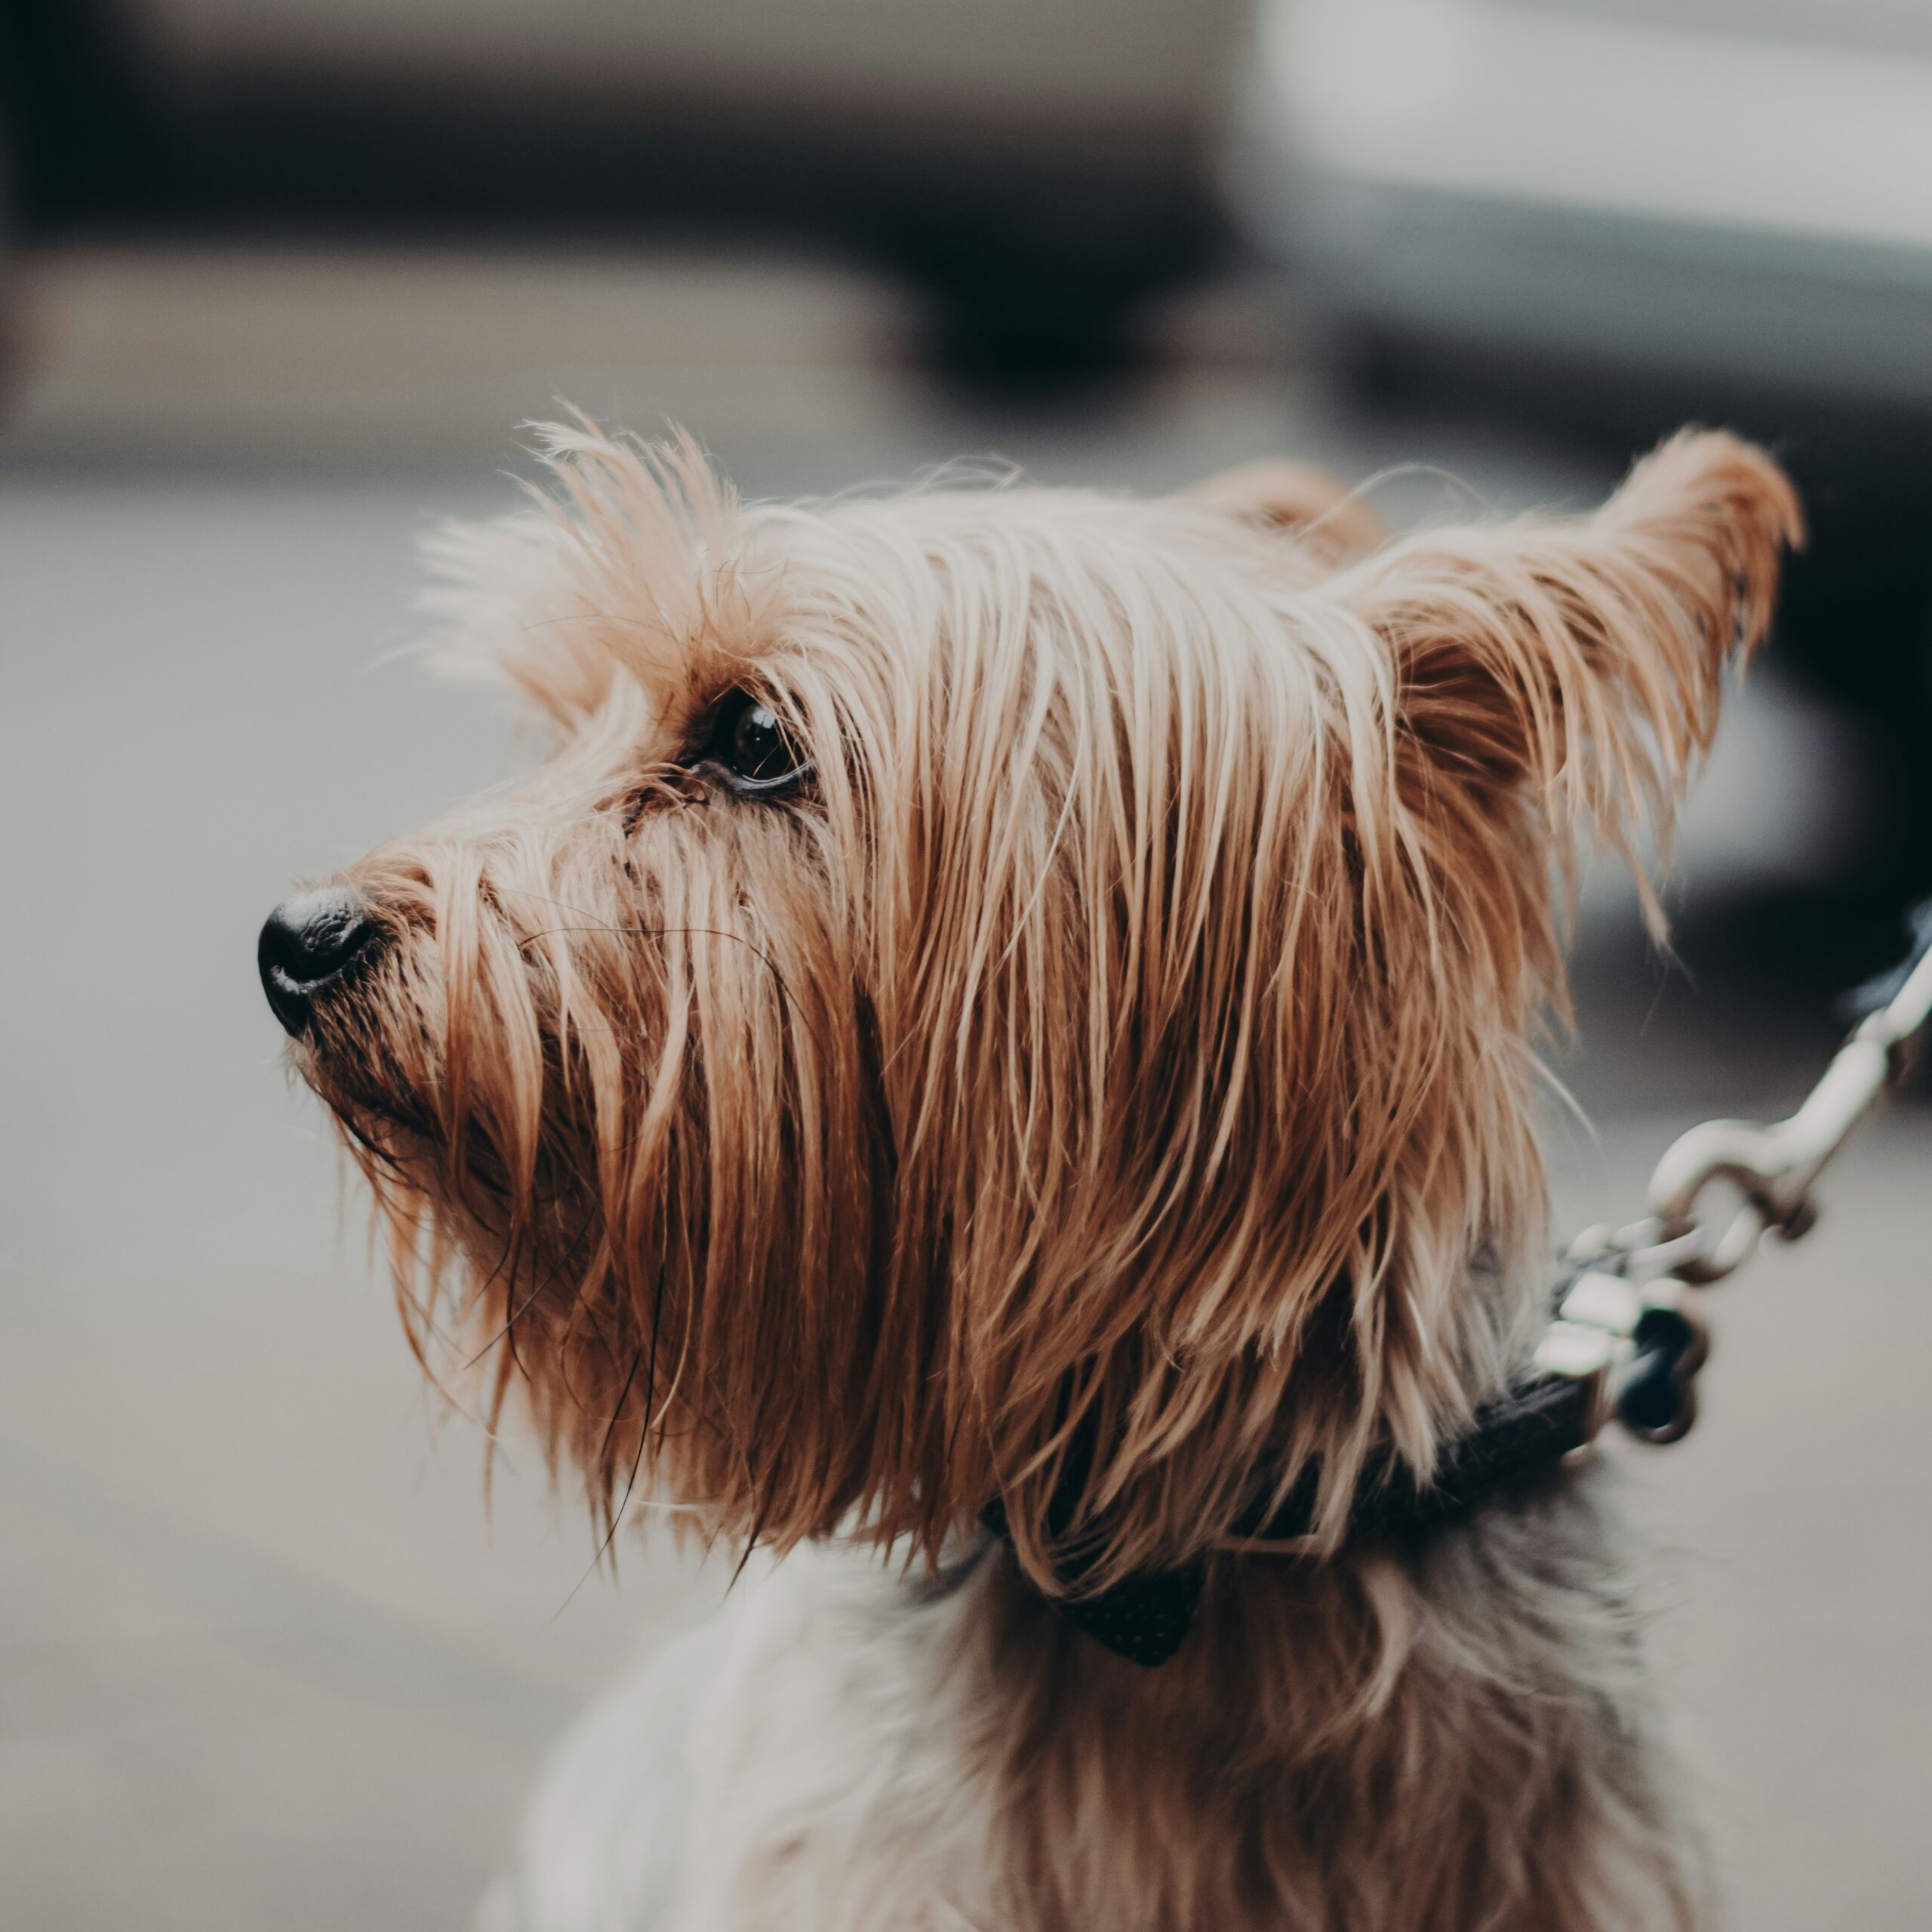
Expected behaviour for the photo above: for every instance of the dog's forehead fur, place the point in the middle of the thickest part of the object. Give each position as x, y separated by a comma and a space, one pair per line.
1117, 1059
641, 567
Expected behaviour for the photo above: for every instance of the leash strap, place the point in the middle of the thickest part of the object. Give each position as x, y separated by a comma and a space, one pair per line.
1630, 1322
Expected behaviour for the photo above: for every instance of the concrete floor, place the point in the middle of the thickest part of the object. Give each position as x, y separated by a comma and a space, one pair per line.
263, 1662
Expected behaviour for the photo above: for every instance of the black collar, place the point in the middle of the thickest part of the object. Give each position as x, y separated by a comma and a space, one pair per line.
1145, 1617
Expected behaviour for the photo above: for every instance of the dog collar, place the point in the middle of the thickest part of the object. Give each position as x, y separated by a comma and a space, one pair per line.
1145, 1617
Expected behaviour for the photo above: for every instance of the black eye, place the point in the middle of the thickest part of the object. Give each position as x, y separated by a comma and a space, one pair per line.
752, 747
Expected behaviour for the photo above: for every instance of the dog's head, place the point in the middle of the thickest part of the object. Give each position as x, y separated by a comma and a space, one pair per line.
995, 985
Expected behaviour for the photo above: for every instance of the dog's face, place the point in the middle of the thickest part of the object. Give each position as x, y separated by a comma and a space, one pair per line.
996, 984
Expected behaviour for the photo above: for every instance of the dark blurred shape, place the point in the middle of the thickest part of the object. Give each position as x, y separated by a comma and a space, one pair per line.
1878, 993
70, 120
1037, 172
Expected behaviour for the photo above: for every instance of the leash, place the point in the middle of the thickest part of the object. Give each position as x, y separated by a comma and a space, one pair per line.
1629, 1326
1626, 1339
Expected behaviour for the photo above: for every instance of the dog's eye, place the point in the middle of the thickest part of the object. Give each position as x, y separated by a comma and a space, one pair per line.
750, 748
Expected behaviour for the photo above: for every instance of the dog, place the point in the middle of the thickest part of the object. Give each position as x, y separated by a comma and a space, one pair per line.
994, 1064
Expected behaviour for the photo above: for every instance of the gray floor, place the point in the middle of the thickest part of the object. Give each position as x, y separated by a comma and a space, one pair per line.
263, 1661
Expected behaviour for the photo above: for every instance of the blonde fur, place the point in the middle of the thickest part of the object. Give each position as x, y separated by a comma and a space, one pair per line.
1114, 1063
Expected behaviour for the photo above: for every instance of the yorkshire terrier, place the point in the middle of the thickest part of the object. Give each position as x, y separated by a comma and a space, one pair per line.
994, 1062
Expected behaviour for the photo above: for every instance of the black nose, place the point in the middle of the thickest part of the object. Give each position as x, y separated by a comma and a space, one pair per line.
308, 942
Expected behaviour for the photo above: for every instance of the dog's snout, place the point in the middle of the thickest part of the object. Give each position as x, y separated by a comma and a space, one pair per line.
308, 943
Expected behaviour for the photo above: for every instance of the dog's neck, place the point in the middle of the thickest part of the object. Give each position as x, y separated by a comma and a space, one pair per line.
1364, 1715
1516, 1440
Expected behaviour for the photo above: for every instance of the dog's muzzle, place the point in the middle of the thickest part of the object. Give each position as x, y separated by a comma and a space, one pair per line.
310, 943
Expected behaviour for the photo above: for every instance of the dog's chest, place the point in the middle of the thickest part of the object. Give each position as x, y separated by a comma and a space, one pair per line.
795, 1763
841, 1751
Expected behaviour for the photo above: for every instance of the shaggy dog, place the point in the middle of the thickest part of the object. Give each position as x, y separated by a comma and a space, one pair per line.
997, 1051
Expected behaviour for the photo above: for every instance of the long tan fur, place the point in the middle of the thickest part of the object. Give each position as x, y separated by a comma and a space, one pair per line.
1115, 1061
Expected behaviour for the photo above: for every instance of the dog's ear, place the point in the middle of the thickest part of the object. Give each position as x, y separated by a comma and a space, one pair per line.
1276, 494
1575, 667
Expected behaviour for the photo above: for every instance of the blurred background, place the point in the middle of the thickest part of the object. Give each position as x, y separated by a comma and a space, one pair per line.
278, 280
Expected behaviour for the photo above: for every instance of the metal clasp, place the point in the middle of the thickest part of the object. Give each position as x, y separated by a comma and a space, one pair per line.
1638, 1347
1774, 1167
1627, 1320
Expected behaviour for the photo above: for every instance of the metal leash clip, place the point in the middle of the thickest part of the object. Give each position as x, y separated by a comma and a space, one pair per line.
1627, 1318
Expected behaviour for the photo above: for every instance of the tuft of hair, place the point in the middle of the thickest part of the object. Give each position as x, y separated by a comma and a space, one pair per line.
616, 563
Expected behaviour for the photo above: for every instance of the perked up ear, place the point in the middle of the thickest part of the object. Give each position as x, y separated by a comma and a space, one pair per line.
1573, 670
